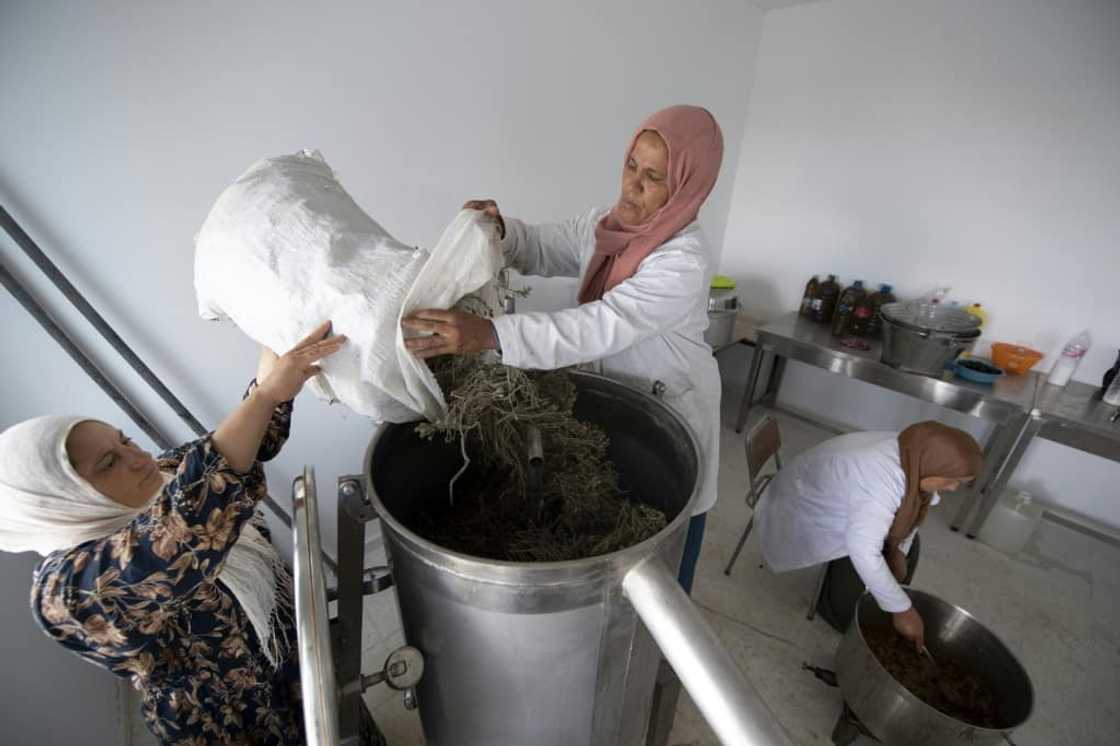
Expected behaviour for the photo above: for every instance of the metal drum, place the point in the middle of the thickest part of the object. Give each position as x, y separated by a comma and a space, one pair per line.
561, 653
923, 337
896, 716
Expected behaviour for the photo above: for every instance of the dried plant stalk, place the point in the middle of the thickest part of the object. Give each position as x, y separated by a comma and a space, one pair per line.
580, 511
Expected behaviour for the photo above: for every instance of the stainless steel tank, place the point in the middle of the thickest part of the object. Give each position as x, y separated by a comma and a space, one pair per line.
560, 653
895, 715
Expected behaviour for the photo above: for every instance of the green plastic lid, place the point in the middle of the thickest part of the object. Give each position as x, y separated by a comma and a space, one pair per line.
723, 282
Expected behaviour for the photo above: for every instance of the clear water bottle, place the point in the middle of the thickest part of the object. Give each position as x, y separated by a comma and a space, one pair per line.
1070, 358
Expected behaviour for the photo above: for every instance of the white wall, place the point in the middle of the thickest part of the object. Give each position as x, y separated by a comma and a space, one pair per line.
123, 121
923, 142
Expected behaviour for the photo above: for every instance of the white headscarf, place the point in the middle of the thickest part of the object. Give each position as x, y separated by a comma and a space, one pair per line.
45, 506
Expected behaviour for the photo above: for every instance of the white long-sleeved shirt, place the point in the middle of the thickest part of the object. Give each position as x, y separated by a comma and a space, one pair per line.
835, 500
648, 328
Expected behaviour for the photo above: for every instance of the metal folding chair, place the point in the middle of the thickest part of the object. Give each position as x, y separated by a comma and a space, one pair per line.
763, 442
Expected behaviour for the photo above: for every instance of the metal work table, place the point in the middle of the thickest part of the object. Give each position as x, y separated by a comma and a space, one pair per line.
1020, 407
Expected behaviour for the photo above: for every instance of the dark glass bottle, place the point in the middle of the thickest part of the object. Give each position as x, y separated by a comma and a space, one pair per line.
1109, 375
811, 289
852, 296
824, 304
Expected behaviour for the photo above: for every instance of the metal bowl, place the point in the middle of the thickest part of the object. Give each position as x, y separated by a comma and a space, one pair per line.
895, 715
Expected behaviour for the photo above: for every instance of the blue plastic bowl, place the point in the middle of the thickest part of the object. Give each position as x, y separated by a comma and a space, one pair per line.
972, 374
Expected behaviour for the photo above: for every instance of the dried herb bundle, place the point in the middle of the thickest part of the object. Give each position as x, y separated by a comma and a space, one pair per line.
578, 509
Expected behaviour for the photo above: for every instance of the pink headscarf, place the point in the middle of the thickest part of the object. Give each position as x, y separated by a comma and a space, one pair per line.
695, 145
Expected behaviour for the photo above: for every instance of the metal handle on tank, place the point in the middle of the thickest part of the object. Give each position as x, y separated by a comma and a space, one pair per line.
730, 704
317, 681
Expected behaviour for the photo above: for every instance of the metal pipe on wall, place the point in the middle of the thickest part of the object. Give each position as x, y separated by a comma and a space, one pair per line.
35, 254
40, 314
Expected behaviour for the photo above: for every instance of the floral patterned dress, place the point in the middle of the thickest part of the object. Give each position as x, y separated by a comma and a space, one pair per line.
146, 603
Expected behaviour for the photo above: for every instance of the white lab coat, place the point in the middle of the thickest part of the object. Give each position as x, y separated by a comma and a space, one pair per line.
835, 500
648, 328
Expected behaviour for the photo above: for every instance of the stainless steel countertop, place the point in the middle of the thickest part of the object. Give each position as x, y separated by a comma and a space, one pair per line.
1075, 417
1070, 415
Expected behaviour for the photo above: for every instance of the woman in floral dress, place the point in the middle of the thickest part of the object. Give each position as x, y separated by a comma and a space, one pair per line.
160, 569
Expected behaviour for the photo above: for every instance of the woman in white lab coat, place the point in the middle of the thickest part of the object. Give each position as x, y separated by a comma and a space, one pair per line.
856, 502
642, 310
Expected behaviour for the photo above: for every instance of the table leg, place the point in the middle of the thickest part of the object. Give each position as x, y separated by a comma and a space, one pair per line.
995, 451
774, 383
1029, 427
752, 383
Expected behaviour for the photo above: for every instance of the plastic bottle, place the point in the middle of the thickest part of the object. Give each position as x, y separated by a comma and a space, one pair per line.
1070, 358
824, 304
1011, 523
852, 296
978, 312
935, 296
811, 289
865, 317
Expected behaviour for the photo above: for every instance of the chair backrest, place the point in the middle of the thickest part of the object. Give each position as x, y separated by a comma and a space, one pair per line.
763, 442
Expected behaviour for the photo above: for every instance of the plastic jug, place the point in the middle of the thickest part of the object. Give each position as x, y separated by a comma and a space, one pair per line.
810, 294
824, 305
1012, 522
852, 296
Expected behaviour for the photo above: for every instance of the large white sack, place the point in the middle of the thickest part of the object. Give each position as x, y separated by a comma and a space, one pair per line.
285, 248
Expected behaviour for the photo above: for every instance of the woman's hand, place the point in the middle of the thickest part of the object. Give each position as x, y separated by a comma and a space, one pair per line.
452, 333
490, 207
280, 378
909, 624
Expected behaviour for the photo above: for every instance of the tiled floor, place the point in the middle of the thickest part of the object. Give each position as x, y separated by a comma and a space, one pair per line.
1057, 605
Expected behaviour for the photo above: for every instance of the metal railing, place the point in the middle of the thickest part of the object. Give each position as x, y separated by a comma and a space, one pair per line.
320, 700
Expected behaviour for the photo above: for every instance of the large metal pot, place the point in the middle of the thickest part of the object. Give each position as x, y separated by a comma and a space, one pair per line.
893, 714
560, 653
924, 337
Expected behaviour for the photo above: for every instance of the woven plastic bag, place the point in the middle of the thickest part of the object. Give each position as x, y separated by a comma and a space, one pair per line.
285, 248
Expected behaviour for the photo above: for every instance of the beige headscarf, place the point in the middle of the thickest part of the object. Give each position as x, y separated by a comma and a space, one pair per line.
930, 449
46, 506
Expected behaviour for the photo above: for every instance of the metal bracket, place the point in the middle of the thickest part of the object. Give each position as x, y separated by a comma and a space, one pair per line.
376, 583
402, 671
352, 498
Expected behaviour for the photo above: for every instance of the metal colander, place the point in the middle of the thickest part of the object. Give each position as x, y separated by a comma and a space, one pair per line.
931, 317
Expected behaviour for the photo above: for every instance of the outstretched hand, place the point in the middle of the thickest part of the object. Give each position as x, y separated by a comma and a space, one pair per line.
280, 378
451, 333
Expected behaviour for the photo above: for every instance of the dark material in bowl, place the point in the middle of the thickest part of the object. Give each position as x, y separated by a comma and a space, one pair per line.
979, 366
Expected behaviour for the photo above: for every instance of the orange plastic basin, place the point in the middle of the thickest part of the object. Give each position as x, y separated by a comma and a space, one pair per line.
1014, 359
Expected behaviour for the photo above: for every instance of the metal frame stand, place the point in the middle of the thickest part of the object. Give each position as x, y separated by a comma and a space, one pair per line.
663, 712
776, 368
403, 669
1004, 450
